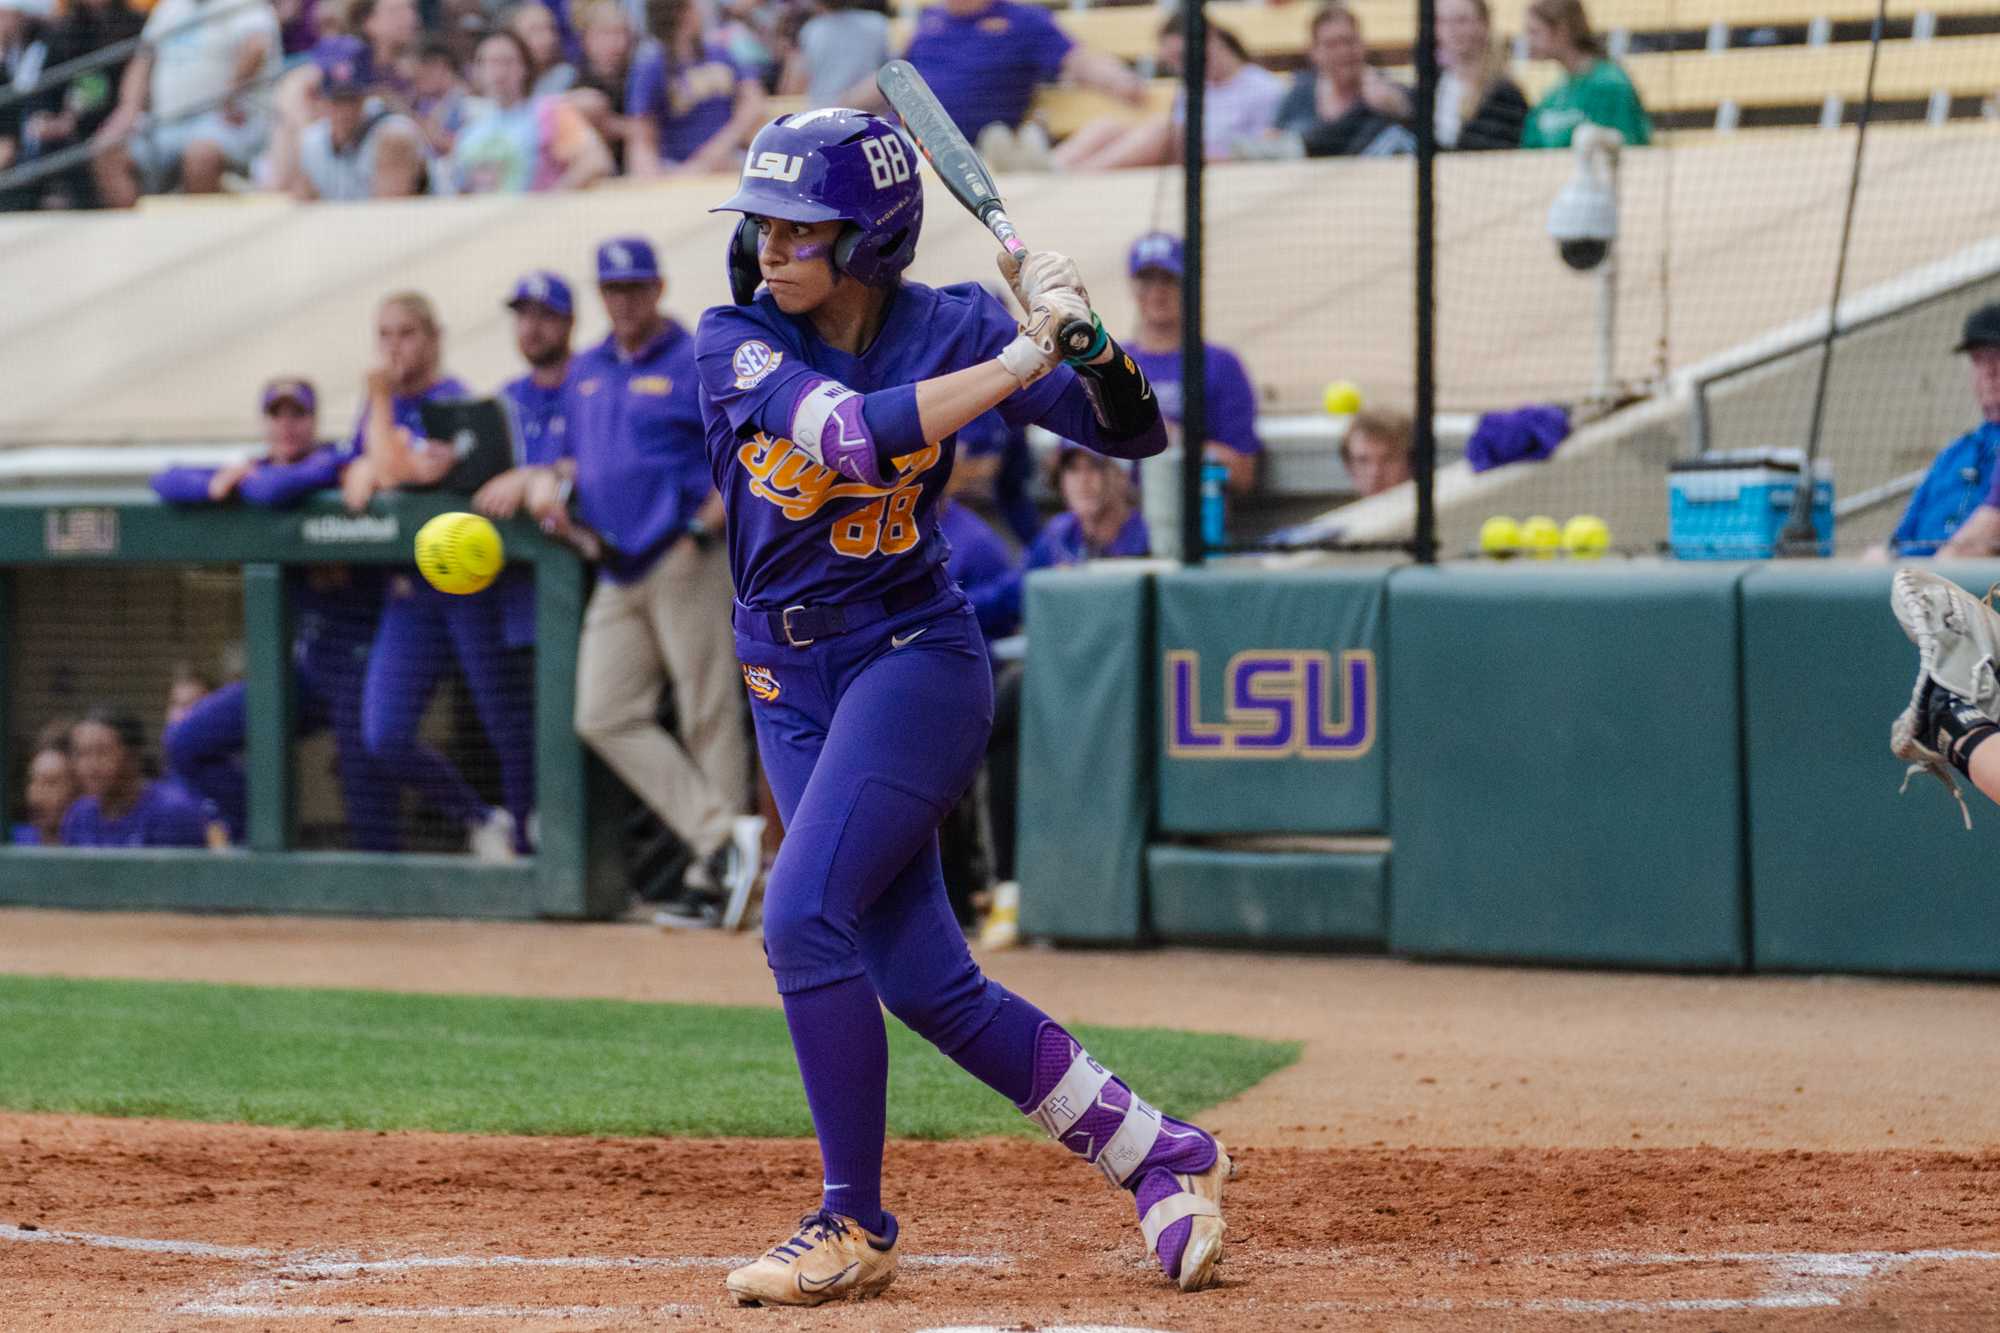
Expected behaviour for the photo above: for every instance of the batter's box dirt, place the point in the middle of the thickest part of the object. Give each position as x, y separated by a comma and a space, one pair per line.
151, 1225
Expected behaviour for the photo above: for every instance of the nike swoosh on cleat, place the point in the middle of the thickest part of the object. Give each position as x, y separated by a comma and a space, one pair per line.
905, 640
807, 1284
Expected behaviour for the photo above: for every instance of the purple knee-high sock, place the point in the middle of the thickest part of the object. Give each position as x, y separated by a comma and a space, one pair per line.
843, 1056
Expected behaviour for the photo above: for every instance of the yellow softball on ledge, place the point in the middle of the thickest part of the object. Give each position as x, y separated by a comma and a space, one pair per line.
459, 553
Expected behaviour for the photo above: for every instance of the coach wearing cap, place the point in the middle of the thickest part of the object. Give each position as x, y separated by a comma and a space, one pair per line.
1956, 511
1158, 267
636, 458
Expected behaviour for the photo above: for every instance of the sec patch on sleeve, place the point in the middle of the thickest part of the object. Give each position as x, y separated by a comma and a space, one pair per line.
753, 363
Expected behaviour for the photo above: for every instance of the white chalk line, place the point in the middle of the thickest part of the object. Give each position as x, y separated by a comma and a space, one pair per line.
1794, 1279
255, 1298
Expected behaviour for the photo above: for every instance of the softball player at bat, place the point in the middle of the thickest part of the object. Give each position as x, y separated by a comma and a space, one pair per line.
831, 400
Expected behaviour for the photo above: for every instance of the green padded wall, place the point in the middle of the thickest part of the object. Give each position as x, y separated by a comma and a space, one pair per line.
1269, 718
1086, 794
1567, 766
1845, 874
1310, 898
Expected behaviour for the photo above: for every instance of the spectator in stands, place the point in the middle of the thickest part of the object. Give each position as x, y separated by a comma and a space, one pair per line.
423, 629
550, 71
438, 97
1339, 105
335, 611
1477, 106
984, 60
1238, 104
839, 47
1593, 88
119, 807
521, 143
691, 108
390, 29
23, 56
1376, 450
194, 107
1157, 266
609, 41
51, 788
356, 147
637, 463
749, 30
62, 115
1956, 511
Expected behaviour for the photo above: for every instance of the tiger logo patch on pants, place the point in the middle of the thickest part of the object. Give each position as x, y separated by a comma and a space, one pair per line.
762, 684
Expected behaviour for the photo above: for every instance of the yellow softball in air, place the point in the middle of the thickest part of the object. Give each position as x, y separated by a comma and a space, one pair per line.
1340, 398
459, 553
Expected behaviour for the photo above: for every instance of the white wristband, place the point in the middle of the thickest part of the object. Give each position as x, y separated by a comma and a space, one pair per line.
1024, 360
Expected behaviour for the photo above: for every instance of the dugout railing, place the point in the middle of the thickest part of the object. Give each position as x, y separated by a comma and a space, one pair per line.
572, 874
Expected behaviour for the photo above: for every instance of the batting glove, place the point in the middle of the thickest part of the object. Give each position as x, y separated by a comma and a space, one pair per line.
1034, 351
1040, 272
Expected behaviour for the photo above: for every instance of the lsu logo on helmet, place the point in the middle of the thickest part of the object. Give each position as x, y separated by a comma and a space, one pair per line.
773, 167
760, 682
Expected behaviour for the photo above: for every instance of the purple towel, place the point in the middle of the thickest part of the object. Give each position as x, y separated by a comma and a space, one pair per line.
1522, 435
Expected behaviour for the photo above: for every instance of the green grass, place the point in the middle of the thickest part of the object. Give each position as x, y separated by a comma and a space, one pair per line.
344, 1059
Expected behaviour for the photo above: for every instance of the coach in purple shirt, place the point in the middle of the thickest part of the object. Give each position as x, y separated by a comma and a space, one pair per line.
984, 59
635, 472
119, 808
1157, 266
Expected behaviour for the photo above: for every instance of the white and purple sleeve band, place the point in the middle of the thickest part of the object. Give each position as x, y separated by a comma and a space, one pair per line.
852, 433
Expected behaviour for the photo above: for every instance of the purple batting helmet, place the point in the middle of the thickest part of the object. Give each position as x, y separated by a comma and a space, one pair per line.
819, 166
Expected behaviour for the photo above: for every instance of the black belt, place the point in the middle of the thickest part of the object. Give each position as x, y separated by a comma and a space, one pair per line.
798, 626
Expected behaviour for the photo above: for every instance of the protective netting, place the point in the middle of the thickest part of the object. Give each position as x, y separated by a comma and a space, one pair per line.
133, 688
1646, 283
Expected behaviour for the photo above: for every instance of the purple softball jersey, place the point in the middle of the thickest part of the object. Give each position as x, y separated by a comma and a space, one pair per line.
801, 534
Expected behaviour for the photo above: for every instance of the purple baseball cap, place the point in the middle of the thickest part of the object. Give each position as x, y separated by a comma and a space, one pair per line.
290, 389
627, 259
543, 288
346, 66
1159, 251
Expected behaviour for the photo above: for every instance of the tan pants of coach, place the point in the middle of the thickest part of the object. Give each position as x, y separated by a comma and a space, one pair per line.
672, 625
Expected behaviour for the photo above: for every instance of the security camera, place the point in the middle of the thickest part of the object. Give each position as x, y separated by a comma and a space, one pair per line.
1583, 221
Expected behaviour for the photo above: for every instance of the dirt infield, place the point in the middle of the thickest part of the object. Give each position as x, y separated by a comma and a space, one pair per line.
1460, 1148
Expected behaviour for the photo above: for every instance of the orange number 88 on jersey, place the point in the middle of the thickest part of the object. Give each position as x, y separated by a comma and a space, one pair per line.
887, 526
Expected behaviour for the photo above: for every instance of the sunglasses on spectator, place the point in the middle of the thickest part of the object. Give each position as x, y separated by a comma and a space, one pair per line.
285, 407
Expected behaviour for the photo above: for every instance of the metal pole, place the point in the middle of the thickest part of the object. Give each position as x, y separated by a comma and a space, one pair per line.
1607, 326
1423, 447
1194, 365
1799, 536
